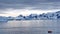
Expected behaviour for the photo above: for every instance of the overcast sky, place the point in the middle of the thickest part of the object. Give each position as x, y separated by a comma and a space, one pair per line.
26, 7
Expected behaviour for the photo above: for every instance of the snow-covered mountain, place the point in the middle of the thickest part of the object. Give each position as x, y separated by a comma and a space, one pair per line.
3, 19
55, 15
44, 16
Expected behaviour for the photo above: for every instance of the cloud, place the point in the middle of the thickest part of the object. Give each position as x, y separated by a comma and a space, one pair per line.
22, 4
29, 4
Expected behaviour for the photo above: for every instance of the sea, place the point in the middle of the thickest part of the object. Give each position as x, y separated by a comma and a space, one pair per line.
30, 27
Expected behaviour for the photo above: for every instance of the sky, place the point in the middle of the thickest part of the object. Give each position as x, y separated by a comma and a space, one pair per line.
26, 7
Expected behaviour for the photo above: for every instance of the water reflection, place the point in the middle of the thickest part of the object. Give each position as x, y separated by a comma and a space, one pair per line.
30, 27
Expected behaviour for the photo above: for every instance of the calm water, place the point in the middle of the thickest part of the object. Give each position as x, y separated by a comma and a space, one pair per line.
30, 27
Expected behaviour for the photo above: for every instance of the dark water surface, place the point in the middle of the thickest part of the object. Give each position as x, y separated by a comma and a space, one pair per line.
30, 27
